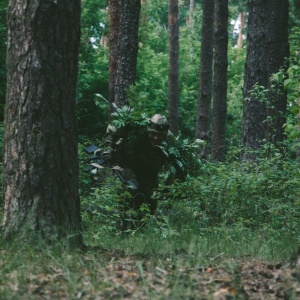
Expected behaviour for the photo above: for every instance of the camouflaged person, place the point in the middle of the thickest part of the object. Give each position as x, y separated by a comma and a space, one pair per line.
136, 149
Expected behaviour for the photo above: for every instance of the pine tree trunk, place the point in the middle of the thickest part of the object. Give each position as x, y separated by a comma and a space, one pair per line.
127, 49
40, 179
190, 16
220, 81
114, 25
3, 6
267, 48
173, 101
206, 63
239, 42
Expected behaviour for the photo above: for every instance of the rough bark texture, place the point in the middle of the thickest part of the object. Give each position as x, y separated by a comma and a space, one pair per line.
3, 6
220, 81
206, 63
114, 14
40, 179
173, 101
127, 49
267, 48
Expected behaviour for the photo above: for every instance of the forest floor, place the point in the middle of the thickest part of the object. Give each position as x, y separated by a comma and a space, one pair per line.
100, 274
224, 279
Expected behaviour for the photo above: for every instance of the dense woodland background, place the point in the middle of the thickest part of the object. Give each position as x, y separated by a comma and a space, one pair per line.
231, 93
150, 93
248, 84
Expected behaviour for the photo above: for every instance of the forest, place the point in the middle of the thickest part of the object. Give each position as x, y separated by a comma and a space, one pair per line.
225, 73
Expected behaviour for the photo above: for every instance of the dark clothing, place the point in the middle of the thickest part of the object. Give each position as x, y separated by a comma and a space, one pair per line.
131, 149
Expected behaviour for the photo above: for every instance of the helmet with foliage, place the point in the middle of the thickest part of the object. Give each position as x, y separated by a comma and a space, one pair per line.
159, 123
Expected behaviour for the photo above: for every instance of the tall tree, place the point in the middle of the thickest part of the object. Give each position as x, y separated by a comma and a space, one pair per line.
3, 7
206, 62
173, 87
242, 17
191, 11
127, 49
267, 50
114, 14
220, 81
40, 179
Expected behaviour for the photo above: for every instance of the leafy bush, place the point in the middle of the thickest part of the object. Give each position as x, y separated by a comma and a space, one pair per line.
261, 196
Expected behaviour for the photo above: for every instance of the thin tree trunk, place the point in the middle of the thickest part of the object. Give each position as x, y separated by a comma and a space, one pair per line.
190, 16
143, 15
239, 43
127, 49
3, 37
173, 101
114, 13
204, 96
220, 81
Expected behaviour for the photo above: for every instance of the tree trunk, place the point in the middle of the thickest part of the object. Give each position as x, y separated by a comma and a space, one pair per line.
144, 16
267, 48
204, 96
3, 7
127, 49
114, 14
173, 101
239, 43
40, 179
190, 16
220, 81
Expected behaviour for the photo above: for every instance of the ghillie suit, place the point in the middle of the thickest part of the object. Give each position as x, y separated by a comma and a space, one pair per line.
131, 148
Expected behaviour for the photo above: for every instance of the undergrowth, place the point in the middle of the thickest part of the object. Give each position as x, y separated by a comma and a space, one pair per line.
234, 225
237, 207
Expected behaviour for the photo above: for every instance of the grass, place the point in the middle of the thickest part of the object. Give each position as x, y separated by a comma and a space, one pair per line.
229, 233
138, 265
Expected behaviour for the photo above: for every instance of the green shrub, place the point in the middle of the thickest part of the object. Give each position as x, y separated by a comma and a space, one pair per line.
261, 196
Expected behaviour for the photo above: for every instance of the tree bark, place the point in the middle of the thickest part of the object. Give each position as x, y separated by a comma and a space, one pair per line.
220, 81
114, 14
173, 86
239, 43
127, 49
40, 179
267, 48
3, 7
206, 62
